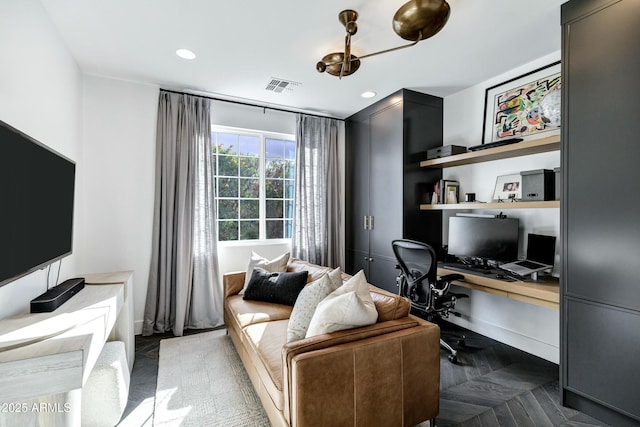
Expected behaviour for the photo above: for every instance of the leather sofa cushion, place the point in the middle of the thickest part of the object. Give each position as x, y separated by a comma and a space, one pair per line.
267, 339
390, 306
250, 312
315, 271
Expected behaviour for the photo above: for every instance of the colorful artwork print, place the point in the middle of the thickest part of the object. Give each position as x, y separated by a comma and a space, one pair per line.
524, 106
526, 110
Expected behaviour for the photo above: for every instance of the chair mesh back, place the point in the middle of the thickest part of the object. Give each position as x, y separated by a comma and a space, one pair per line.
415, 260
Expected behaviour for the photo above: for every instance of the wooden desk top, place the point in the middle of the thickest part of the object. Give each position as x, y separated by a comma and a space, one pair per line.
544, 293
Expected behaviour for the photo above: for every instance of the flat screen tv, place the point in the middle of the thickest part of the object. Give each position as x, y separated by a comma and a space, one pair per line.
36, 204
484, 238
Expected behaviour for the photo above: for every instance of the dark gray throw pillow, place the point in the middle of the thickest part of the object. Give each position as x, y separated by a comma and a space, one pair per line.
279, 288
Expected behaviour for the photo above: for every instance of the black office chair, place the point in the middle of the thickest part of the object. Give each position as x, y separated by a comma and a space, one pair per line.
418, 281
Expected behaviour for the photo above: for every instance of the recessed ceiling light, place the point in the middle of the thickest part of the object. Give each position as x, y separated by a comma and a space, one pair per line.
368, 94
185, 54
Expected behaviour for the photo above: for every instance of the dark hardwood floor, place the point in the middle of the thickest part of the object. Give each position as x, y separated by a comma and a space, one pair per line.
494, 384
491, 385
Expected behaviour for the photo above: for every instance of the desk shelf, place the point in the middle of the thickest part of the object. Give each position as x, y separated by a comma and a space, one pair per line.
502, 205
545, 294
525, 148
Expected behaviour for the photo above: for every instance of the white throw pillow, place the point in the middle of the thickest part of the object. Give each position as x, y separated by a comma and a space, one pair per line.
276, 265
349, 306
308, 300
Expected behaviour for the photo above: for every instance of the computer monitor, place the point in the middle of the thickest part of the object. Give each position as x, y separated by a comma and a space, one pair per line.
484, 238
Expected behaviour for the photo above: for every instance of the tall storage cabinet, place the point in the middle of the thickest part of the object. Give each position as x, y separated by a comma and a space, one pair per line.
384, 182
600, 284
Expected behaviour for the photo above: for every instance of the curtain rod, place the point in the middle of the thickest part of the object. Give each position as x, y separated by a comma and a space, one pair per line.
248, 104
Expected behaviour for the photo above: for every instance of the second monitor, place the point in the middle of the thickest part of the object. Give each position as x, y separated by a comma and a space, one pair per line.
485, 239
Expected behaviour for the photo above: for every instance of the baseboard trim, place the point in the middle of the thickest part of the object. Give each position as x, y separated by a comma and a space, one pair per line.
137, 327
514, 339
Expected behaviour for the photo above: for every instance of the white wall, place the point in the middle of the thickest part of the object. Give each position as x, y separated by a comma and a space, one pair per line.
41, 95
528, 327
119, 157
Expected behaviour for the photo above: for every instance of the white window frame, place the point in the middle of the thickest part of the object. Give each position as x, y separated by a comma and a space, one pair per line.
262, 135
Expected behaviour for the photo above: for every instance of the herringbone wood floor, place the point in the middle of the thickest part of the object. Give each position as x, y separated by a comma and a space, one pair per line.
492, 385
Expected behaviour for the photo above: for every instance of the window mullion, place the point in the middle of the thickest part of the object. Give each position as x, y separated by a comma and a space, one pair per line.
263, 188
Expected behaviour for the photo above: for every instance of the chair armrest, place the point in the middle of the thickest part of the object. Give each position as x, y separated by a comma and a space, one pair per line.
446, 281
233, 282
394, 357
451, 277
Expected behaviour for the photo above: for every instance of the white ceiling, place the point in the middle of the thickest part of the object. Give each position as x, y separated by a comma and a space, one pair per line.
242, 44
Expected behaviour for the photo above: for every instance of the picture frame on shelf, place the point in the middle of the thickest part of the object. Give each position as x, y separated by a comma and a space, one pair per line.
449, 192
508, 188
525, 107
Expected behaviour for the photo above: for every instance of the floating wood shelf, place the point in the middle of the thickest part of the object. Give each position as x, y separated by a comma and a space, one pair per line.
543, 293
503, 205
536, 146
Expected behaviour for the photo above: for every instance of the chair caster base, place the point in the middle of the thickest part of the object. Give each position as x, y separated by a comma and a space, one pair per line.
453, 358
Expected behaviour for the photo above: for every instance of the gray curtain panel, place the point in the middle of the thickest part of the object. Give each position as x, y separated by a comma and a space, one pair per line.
317, 213
184, 289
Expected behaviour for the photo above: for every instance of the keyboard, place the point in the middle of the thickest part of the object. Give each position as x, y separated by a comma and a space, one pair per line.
495, 144
456, 266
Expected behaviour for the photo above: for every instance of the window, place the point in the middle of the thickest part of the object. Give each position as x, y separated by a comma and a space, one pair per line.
254, 174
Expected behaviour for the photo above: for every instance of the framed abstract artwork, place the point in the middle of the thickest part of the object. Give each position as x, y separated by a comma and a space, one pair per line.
527, 106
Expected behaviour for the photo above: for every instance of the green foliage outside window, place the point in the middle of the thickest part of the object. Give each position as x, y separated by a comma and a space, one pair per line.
238, 159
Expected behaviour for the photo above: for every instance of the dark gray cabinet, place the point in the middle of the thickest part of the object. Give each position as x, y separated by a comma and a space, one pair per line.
384, 183
600, 284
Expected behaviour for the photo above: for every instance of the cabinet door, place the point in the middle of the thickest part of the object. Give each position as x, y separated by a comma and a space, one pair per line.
385, 194
358, 260
601, 154
601, 179
357, 193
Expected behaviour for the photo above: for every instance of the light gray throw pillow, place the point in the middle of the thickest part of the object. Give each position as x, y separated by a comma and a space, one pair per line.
276, 265
308, 299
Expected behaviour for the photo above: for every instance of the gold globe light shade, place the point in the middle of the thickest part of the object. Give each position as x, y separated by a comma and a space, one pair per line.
348, 18
332, 64
421, 19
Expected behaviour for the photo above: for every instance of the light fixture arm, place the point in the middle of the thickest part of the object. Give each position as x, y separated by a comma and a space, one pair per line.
346, 63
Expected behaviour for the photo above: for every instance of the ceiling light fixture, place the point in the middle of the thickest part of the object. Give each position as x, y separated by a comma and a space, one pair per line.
368, 94
185, 54
414, 21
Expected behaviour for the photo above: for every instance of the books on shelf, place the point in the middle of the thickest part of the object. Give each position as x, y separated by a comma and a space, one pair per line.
446, 191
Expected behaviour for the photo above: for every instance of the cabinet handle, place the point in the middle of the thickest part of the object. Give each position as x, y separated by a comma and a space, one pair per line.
366, 222
370, 223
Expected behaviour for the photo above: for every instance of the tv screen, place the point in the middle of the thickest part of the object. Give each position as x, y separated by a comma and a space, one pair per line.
485, 238
36, 204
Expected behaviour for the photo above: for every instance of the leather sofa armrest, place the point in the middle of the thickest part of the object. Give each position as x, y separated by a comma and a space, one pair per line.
318, 342
339, 355
233, 282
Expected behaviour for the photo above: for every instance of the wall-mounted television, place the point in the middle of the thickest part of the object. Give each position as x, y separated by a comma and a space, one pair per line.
484, 238
36, 204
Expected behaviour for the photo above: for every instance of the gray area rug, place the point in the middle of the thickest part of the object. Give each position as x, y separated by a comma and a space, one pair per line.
201, 382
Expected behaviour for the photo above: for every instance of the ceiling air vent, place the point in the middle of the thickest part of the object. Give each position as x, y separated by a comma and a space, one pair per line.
279, 85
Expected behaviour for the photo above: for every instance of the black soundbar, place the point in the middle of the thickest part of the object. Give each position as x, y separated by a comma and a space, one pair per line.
57, 296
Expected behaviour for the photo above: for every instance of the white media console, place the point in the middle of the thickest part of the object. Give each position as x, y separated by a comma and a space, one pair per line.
46, 358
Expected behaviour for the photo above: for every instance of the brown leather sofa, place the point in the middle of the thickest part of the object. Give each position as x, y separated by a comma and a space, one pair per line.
386, 374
